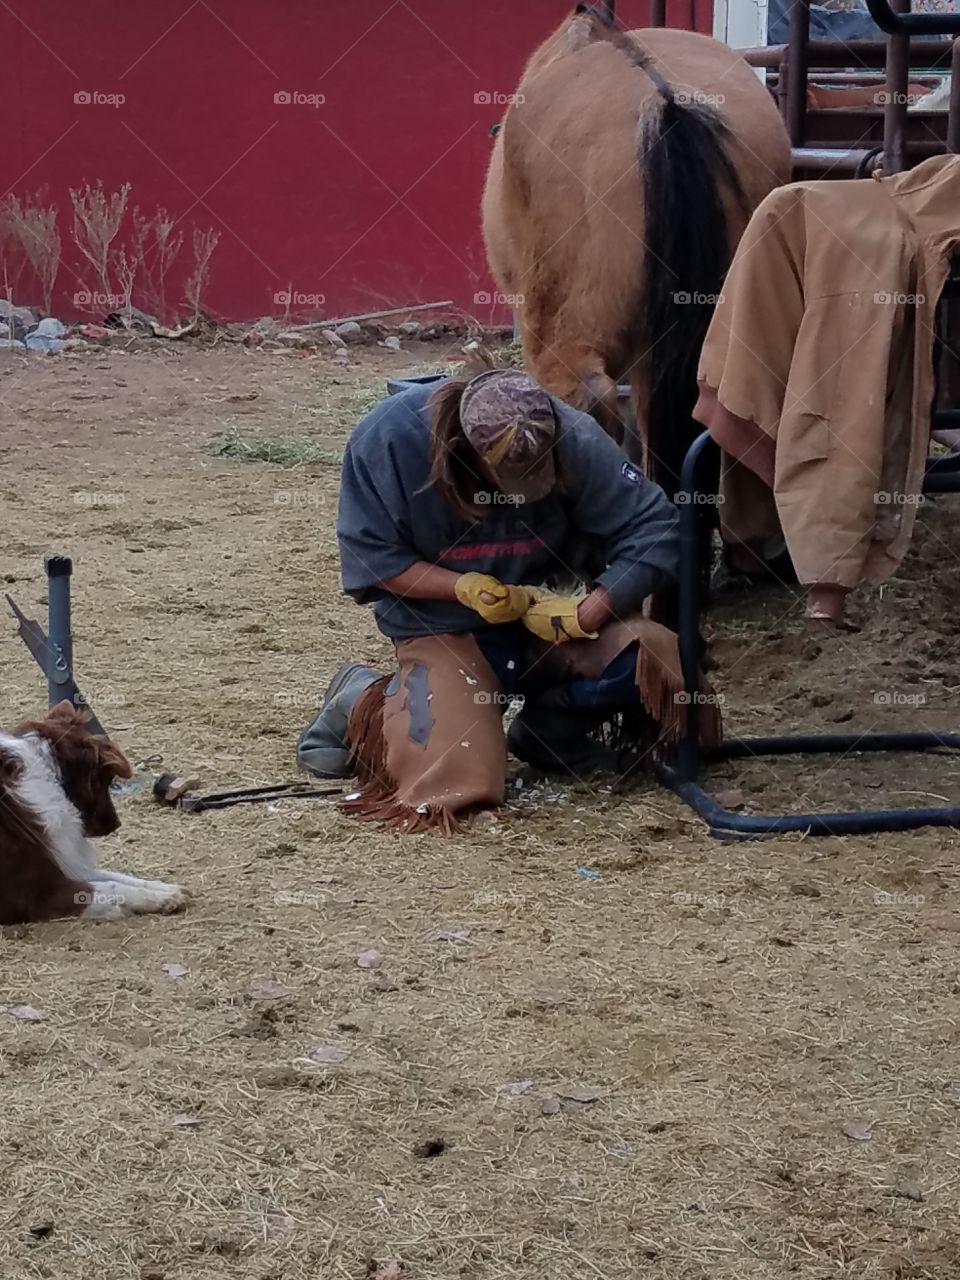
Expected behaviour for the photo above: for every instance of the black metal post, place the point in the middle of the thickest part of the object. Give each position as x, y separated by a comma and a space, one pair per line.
797, 68
953, 112
691, 591
895, 104
60, 660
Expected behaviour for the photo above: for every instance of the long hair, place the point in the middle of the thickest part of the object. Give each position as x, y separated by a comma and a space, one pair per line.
454, 474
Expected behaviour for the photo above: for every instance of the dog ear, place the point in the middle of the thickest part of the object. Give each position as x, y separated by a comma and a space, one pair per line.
66, 713
112, 759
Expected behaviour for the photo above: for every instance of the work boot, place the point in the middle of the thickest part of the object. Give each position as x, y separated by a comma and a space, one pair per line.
559, 740
322, 747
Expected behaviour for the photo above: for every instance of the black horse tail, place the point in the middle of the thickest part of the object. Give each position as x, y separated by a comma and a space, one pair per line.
684, 169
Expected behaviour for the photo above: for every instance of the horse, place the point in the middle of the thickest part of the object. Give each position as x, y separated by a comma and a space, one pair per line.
624, 173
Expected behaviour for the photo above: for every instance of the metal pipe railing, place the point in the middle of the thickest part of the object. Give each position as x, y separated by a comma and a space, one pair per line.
862, 54
898, 22
895, 102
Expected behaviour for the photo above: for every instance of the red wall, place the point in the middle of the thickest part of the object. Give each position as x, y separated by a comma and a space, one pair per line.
371, 200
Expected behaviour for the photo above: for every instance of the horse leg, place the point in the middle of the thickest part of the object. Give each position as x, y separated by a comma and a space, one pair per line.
575, 373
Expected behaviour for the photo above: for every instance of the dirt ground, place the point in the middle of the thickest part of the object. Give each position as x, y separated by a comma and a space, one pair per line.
764, 1036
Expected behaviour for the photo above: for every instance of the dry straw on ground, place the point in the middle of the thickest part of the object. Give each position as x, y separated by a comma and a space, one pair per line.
725, 1013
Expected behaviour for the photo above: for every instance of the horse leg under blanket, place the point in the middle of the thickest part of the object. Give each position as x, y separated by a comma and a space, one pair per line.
428, 742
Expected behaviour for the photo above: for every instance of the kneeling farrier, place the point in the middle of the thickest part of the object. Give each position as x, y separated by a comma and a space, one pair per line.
454, 507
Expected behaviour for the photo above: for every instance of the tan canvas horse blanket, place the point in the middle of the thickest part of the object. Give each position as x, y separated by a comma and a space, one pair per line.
428, 742
816, 376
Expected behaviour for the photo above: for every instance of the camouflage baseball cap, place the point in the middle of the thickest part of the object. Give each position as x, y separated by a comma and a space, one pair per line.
508, 418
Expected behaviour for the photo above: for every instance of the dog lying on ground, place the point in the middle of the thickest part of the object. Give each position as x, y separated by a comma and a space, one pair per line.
55, 781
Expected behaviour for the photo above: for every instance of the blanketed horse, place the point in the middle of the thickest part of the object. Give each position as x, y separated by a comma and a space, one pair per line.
621, 180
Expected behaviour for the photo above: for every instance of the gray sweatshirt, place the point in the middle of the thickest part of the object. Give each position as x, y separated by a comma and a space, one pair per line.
387, 521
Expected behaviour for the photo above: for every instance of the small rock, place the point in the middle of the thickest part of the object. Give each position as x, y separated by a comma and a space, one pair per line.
4, 329
11, 344
429, 1148
515, 1088
333, 338
74, 344
24, 1013
842, 717
20, 320
341, 355
294, 338
393, 342
349, 331
327, 1055
40, 1230
580, 1093
410, 328
859, 1130
550, 1106
46, 336
371, 959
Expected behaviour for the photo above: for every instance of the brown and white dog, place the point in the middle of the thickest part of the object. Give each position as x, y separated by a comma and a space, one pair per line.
55, 781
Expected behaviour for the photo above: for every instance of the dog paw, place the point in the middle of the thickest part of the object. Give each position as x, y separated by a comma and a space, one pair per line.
173, 899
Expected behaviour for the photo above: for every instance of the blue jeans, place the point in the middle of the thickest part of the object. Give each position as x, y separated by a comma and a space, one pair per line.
506, 650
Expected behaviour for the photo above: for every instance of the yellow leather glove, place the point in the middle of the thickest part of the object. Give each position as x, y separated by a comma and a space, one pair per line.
509, 604
554, 618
